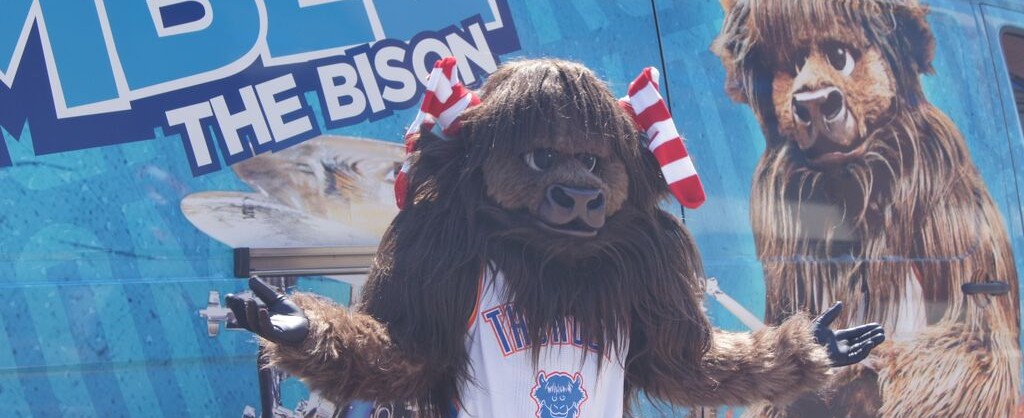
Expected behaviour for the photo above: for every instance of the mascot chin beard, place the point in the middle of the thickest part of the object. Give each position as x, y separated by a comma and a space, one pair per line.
532, 273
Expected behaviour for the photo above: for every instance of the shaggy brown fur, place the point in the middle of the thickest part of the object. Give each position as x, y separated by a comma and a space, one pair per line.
894, 226
474, 201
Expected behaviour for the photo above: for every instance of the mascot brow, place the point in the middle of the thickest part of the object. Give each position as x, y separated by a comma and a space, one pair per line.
539, 217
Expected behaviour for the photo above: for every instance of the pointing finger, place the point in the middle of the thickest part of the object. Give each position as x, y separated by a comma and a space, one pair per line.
266, 293
831, 314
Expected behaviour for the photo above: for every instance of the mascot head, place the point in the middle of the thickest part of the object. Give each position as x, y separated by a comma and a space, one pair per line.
554, 156
824, 77
836, 88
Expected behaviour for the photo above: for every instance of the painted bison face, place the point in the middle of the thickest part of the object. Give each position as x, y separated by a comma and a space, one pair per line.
569, 186
825, 76
830, 97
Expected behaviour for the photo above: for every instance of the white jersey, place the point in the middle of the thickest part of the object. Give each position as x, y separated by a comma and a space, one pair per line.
505, 381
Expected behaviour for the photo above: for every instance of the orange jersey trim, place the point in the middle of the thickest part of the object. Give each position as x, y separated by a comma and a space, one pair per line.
476, 305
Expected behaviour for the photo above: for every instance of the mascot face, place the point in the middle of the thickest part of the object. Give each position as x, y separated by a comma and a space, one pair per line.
824, 77
560, 147
568, 185
559, 395
830, 95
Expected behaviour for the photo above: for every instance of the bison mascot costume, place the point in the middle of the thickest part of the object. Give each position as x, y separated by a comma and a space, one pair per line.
531, 272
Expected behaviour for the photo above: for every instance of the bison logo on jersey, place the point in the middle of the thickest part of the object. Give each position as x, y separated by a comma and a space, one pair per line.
559, 395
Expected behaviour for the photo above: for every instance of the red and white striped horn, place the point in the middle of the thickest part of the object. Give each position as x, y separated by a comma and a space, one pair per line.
651, 115
445, 100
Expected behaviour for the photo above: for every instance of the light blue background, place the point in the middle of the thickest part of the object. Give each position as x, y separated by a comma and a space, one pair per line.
101, 276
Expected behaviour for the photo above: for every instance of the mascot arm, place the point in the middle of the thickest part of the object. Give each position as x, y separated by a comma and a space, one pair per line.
347, 355
775, 364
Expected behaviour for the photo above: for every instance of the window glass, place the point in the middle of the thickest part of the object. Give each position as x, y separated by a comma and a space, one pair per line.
1013, 51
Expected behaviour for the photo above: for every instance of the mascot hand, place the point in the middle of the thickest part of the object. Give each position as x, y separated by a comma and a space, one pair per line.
846, 346
269, 314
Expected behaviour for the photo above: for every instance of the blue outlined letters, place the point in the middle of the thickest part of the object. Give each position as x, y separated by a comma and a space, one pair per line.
233, 77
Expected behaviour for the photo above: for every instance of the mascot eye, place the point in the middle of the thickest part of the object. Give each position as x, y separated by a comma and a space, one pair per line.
588, 160
801, 60
840, 58
541, 159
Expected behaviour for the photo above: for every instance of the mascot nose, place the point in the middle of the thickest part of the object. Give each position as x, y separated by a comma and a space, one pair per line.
576, 199
566, 204
823, 105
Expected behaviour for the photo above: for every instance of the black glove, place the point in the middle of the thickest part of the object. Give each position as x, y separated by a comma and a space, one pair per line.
847, 346
269, 314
